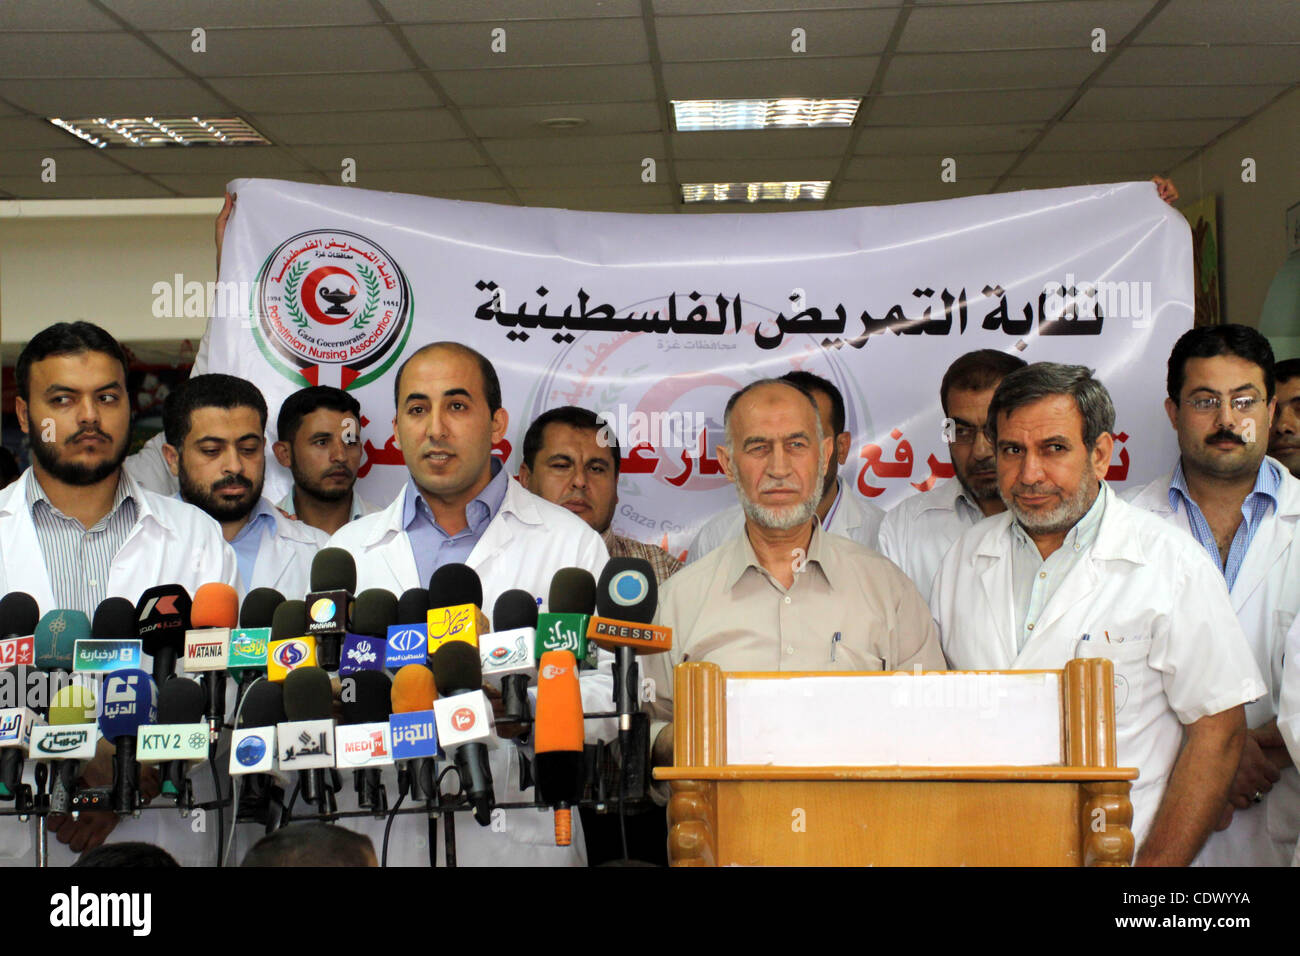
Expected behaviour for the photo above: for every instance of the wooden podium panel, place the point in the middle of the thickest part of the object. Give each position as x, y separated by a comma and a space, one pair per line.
1076, 813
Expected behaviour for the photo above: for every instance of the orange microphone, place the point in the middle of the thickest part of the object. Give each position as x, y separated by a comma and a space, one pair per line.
414, 730
557, 739
214, 612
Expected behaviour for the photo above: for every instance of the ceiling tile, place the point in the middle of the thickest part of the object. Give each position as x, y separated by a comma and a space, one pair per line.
526, 85
1068, 136
43, 15
602, 119
75, 161
559, 177
468, 46
819, 76
600, 197
83, 187
30, 133
878, 193
214, 14
428, 181
113, 97
1102, 165
1204, 65
1170, 102
391, 126
424, 11
935, 109
766, 143
674, 8
631, 149
1199, 21
216, 185
431, 155
948, 140
300, 50
905, 168
229, 161
769, 35
745, 170
39, 55
915, 72
1010, 26
325, 92
1018, 183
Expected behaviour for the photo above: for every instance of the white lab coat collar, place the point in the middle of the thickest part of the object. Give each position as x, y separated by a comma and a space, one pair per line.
283, 553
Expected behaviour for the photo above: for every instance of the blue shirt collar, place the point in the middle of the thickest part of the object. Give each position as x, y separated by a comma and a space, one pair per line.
1267, 484
263, 516
479, 512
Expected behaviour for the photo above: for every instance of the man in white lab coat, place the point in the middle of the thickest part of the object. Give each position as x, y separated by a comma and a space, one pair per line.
1288, 706
76, 529
216, 447
1243, 509
1071, 571
918, 531
840, 510
460, 506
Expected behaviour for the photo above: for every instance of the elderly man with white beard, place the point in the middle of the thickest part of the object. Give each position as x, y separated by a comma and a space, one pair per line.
784, 595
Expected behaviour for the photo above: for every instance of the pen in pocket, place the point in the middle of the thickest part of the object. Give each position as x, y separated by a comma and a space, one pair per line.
835, 640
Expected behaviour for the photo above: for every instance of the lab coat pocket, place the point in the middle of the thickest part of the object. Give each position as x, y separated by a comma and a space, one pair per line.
1132, 670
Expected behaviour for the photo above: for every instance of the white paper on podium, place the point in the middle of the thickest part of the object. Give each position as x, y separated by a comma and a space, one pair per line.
940, 719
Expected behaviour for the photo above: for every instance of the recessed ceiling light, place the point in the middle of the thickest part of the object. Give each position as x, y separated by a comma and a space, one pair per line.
775, 113
809, 190
563, 122
149, 131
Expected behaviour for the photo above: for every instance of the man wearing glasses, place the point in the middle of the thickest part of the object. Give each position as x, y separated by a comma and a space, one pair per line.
1243, 507
920, 529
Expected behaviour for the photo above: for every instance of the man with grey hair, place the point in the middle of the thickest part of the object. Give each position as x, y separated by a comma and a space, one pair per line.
784, 595
1070, 570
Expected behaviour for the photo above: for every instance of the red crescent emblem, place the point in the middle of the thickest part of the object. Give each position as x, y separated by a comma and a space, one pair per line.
309, 286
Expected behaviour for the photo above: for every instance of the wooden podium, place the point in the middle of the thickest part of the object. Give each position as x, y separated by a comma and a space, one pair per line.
1073, 813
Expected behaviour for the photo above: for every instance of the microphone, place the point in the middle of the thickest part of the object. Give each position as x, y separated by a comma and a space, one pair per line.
55, 639
464, 721
306, 741
290, 646
251, 642
626, 597
414, 730
557, 733
19, 615
130, 702
114, 643
329, 603
363, 740
252, 751
365, 648
408, 639
15, 737
508, 654
455, 599
69, 738
162, 618
207, 646
180, 735
570, 604
53, 646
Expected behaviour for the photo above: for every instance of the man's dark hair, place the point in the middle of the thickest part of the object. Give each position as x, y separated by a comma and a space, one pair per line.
311, 399
491, 384
976, 371
575, 417
126, 854
9, 469
312, 844
1046, 379
1286, 370
64, 338
207, 391
1212, 340
810, 382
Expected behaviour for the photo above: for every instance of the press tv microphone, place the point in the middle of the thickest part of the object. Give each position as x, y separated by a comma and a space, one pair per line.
363, 739
465, 721
130, 701
373, 612
455, 602
329, 603
306, 741
69, 739
557, 739
291, 647
162, 618
214, 616
570, 604
508, 654
56, 637
180, 701
626, 598
414, 730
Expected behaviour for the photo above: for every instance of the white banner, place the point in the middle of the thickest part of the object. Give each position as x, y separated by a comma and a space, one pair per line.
654, 320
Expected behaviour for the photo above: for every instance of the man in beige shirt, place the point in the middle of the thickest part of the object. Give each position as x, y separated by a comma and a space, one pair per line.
784, 595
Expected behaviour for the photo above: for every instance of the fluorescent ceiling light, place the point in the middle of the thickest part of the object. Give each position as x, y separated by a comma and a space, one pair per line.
797, 112
101, 131
755, 192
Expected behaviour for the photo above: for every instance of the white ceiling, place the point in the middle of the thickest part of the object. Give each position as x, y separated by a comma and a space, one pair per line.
411, 90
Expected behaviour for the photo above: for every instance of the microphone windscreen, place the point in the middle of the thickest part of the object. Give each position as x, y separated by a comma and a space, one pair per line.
114, 620
308, 695
374, 612
259, 607
573, 591
514, 608
557, 724
413, 689
333, 569
130, 702
57, 633
289, 620
627, 591
371, 699
181, 701
263, 705
74, 704
413, 606
456, 668
19, 614
454, 584
163, 617
215, 605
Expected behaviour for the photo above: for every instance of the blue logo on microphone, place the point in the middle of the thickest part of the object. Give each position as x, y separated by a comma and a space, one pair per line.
250, 751
407, 644
628, 587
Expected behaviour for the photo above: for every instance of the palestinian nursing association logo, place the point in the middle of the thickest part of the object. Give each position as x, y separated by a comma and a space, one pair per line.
332, 308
